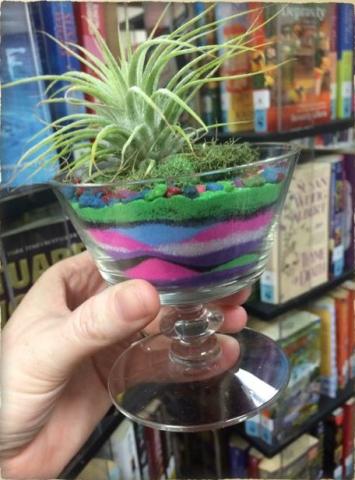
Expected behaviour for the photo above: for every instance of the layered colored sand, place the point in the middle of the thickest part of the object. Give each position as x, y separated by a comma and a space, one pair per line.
180, 241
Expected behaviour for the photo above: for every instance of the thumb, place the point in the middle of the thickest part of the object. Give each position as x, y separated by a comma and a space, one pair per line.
113, 315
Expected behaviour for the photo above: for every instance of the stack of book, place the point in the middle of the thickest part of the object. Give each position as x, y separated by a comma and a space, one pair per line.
298, 333
301, 459
314, 239
136, 452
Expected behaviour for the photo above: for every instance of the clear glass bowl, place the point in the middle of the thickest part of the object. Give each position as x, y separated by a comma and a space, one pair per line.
197, 239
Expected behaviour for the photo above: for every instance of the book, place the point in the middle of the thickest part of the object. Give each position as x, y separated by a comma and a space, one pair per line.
298, 260
341, 307
237, 110
253, 462
333, 59
293, 462
298, 334
238, 456
142, 450
210, 92
348, 439
349, 217
100, 469
264, 59
350, 287
304, 34
333, 444
324, 307
57, 19
22, 116
345, 54
28, 250
124, 450
336, 214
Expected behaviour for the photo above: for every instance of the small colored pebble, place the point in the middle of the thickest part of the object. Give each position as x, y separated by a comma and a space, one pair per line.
201, 188
270, 174
158, 191
256, 181
280, 177
238, 182
88, 199
171, 191
214, 187
190, 191
228, 186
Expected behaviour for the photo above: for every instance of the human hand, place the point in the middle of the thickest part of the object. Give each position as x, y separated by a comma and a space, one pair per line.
58, 348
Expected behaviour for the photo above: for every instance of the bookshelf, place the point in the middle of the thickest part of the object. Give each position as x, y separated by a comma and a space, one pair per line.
311, 131
326, 406
16, 202
268, 311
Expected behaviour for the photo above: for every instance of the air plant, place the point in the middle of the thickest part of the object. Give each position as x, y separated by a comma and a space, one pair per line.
133, 124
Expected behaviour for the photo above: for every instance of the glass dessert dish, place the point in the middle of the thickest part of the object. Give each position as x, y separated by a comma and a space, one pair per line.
197, 240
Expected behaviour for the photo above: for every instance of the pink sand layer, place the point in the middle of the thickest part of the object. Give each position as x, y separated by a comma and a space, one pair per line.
113, 238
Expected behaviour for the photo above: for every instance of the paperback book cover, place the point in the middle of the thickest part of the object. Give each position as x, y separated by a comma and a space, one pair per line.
299, 254
27, 251
304, 38
21, 115
238, 456
236, 94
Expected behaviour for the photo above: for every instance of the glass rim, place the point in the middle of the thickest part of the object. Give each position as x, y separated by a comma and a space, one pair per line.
290, 151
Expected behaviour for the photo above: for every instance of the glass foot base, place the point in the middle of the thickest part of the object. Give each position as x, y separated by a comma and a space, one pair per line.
147, 386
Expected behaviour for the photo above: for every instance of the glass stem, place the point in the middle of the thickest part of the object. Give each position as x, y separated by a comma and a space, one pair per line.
192, 329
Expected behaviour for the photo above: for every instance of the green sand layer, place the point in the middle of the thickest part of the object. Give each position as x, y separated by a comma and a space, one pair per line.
237, 262
220, 204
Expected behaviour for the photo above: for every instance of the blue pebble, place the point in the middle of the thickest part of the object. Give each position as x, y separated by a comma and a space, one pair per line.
214, 187
88, 199
270, 174
190, 191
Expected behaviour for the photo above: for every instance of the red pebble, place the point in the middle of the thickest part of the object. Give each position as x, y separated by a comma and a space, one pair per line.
280, 177
106, 198
201, 188
79, 191
172, 191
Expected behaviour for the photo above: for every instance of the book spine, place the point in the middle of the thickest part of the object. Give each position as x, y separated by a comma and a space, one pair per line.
142, 451
333, 444
333, 59
57, 19
349, 216
237, 461
269, 281
155, 454
87, 13
348, 440
263, 39
22, 116
210, 92
350, 287
236, 93
345, 53
341, 306
336, 219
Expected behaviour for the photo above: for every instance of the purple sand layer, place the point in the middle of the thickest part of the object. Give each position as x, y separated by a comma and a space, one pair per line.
212, 259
